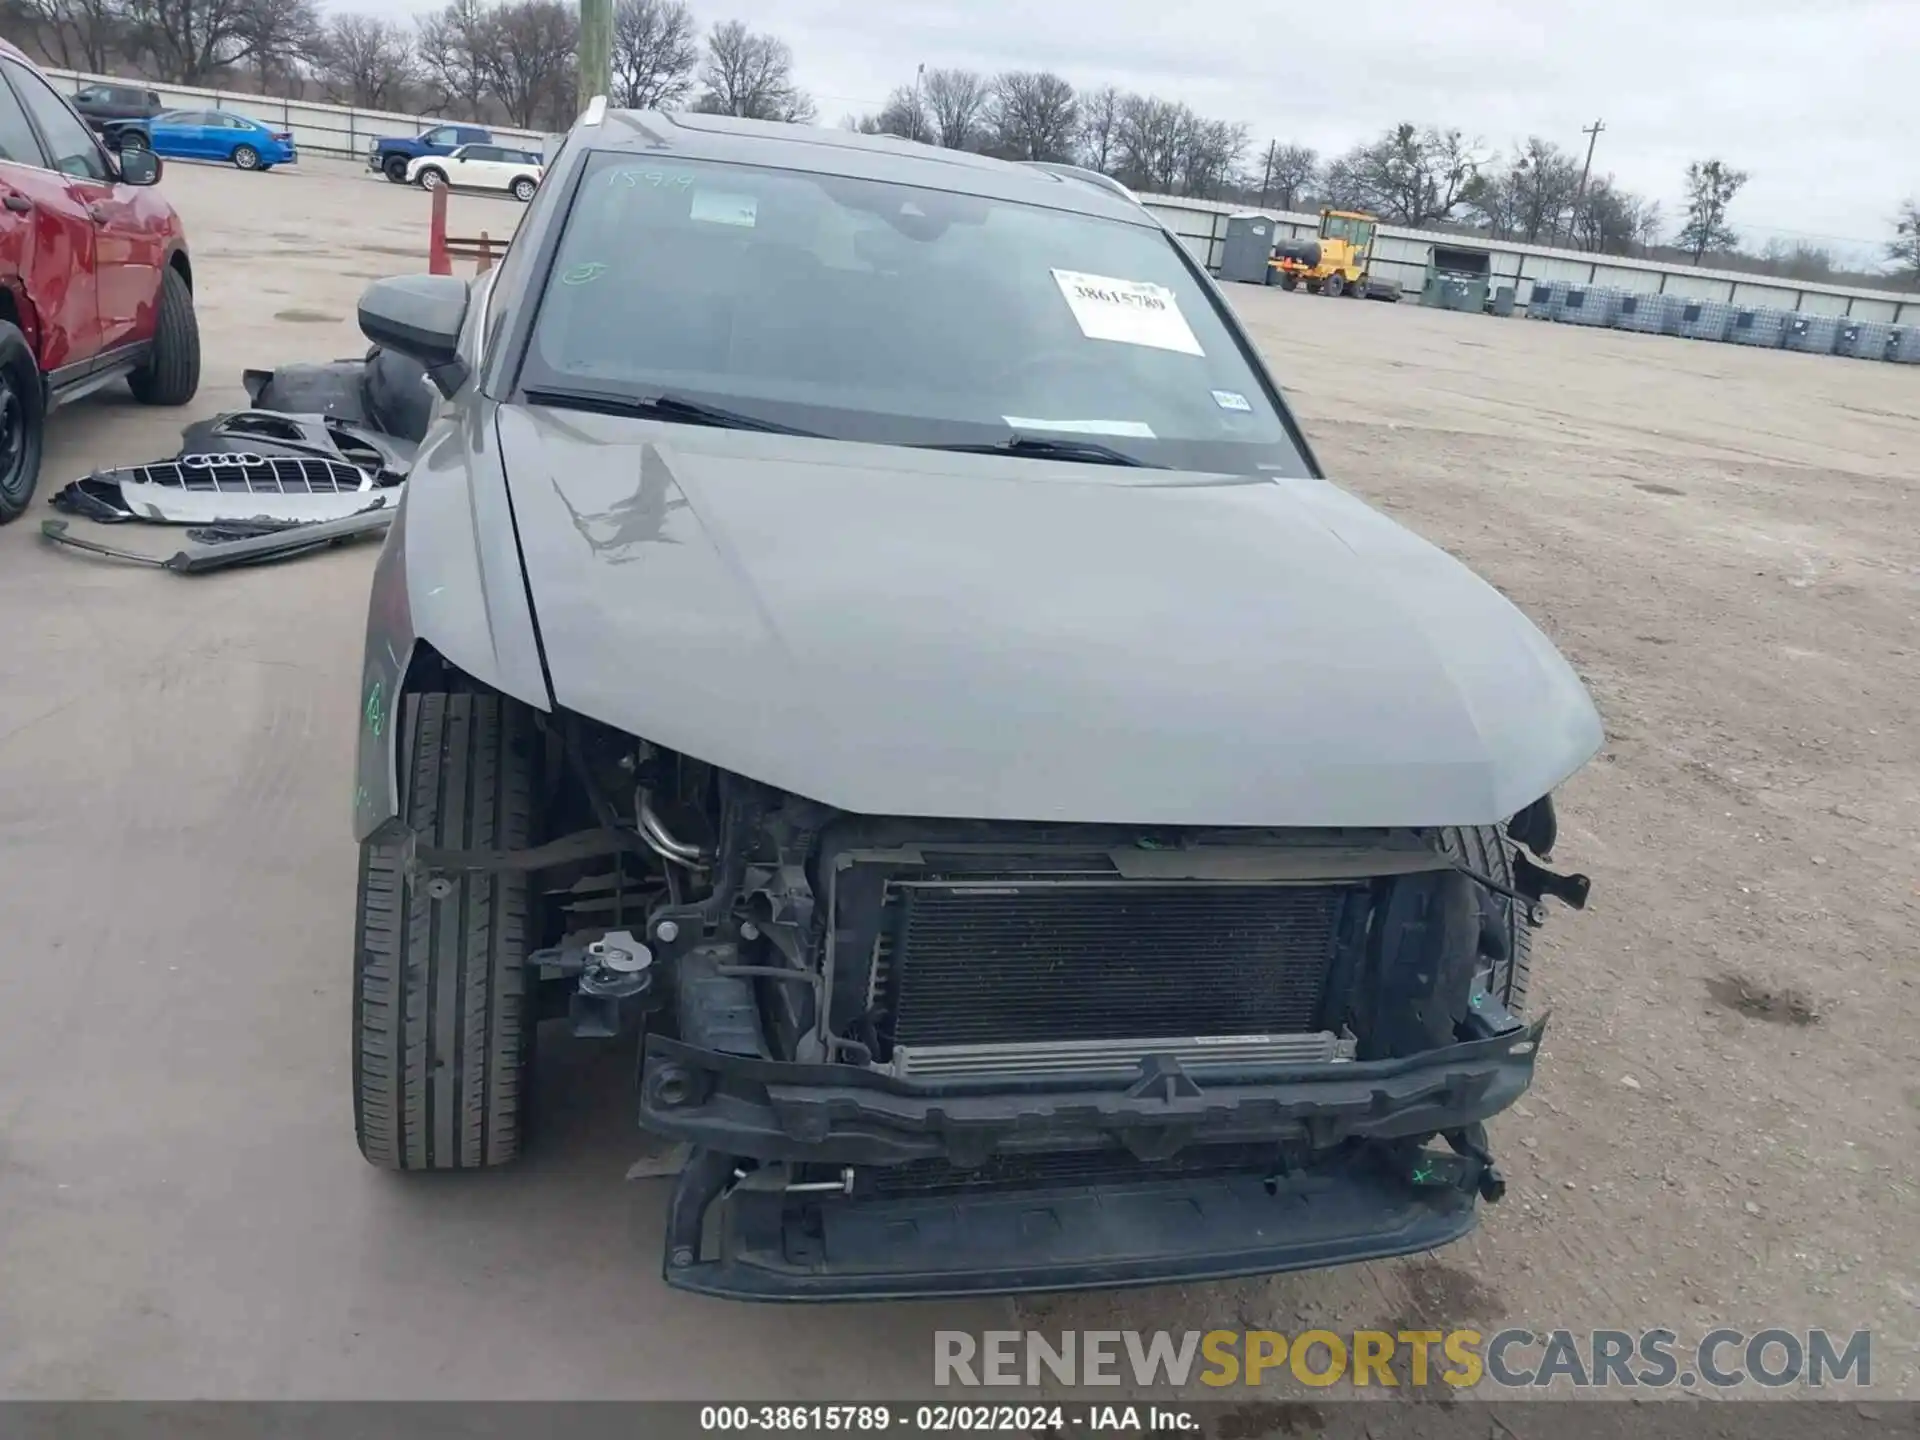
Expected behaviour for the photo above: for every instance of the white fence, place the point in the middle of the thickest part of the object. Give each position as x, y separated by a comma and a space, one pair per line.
1401, 254
317, 129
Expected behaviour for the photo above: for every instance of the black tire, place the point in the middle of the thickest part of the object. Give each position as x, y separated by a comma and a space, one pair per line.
1333, 285
1487, 851
130, 140
23, 422
431, 177
1289, 281
245, 157
394, 167
171, 375
443, 1021
523, 189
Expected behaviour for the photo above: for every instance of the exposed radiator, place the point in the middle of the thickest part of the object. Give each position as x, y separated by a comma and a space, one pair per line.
985, 962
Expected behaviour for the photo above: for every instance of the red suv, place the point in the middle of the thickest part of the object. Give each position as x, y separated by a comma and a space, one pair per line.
94, 278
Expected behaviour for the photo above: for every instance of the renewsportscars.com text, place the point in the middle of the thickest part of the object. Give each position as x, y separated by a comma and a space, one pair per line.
1513, 1359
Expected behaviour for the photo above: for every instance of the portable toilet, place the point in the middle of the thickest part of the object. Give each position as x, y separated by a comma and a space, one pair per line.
1812, 334
1247, 248
1503, 301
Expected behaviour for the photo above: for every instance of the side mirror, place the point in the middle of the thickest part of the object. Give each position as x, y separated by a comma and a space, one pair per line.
420, 316
139, 166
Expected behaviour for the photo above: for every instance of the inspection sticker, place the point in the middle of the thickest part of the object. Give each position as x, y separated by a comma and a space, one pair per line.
1232, 400
717, 207
1133, 312
1132, 429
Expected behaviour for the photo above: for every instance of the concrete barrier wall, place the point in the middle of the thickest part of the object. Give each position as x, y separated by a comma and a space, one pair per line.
336, 130
1401, 254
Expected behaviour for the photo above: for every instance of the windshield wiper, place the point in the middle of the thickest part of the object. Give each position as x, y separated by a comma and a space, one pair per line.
664, 406
1039, 447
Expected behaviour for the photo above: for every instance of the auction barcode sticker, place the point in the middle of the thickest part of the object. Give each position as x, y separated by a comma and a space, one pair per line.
1132, 312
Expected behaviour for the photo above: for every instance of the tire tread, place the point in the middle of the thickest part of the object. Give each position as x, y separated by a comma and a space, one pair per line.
442, 1021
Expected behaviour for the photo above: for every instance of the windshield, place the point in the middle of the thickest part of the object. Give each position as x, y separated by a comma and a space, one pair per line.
1345, 227
869, 311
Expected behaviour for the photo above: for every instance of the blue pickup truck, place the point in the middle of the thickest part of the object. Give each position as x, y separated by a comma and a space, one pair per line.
389, 154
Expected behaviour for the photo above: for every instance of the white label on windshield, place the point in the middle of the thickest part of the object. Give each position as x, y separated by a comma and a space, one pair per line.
1133, 429
1133, 312
717, 207
1232, 400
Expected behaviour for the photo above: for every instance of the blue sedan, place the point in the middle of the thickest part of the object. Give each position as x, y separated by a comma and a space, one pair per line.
206, 135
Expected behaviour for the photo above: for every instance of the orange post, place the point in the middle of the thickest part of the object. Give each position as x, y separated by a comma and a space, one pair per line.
437, 261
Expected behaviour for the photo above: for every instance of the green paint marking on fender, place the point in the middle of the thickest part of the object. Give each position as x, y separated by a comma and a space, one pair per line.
376, 709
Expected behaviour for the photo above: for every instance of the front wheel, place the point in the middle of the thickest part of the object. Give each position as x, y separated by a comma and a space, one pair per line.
523, 189
245, 157
1333, 285
442, 1018
431, 179
1487, 851
395, 169
171, 374
23, 416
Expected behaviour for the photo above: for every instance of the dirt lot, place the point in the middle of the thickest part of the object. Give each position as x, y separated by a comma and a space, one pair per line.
1724, 541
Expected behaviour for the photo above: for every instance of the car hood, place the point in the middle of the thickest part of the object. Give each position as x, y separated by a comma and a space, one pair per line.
915, 632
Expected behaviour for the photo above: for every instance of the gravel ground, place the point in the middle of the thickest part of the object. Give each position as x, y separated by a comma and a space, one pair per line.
1723, 541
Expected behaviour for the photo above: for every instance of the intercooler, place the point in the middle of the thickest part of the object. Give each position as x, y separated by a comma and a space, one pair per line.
1018, 978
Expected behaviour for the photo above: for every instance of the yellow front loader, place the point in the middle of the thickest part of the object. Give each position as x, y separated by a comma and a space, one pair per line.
1336, 263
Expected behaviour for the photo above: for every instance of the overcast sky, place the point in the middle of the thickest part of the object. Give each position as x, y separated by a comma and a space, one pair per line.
1816, 98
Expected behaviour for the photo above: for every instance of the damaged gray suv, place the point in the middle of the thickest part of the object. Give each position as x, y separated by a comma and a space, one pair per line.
865, 622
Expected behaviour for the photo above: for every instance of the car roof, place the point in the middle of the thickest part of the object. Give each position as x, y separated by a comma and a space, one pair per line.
728, 140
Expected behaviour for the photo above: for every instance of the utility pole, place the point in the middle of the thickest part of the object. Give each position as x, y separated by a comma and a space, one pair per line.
1266, 178
919, 74
1592, 132
596, 50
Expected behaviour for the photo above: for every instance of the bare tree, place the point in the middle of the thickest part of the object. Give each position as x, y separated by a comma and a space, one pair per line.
655, 49
904, 115
1904, 248
1408, 176
1798, 260
1149, 142
364, 60
76, 34
1531, 197
451, 51
189, 40
956, 102
1032, 115
530, 60
751, 76
1711, 186
1211, 152
1100, 127
1611, 220
1291, 173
